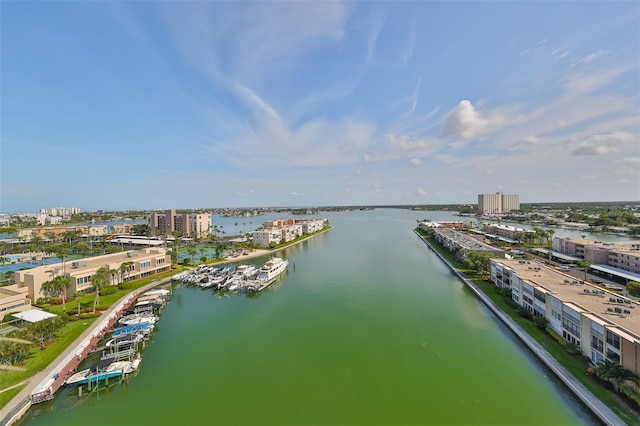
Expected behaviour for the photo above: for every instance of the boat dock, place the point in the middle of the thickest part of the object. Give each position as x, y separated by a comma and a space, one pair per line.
44, 384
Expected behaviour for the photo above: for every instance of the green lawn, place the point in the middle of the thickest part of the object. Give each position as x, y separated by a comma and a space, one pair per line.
576, 365
7, 396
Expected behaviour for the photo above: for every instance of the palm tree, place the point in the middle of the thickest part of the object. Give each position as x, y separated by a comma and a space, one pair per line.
584, 265
57, 287
192, 253
615, 374
236, 224
99, 281
125, 268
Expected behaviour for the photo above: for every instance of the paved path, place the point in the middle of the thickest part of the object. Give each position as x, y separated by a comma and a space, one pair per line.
597, 407
37, 379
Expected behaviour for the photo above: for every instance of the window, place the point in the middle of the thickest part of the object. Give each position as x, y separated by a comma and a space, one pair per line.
146, 264
613, 340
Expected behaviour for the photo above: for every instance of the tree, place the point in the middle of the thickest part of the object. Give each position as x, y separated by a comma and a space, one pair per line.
633, 287
478, 260
584, 265
99, 280
125, 268
192, 253
57, 287
142, 229
615, 374
61, 250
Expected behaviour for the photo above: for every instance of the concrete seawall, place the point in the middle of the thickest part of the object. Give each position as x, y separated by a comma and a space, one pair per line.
597, 407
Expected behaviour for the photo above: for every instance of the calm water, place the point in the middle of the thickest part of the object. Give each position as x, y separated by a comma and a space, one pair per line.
367, 327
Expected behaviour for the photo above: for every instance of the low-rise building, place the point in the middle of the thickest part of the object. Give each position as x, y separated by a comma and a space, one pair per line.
462, 243
140, 263
603, 324
624, 255
284, 230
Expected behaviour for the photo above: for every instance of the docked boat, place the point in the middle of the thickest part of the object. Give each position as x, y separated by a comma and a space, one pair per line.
102, 370
272, 270
141, 328
125, 339
138, 319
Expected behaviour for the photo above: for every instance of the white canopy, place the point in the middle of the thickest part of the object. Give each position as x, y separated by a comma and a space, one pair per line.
34, 315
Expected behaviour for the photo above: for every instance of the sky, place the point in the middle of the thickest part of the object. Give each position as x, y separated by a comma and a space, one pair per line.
118, 105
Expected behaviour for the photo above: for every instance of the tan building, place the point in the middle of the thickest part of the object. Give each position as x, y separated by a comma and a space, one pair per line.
143, 262
283, 230
124, 228
188, 225
497, 203
604, 325
59, 231
623, 255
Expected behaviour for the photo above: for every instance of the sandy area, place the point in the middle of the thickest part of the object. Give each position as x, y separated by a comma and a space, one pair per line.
250, 255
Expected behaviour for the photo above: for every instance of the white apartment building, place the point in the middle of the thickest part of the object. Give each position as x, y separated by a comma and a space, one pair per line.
284, 230
264, 237
60, 211
497, 203
604, 325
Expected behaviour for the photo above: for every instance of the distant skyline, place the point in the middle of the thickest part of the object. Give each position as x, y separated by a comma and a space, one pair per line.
148, 105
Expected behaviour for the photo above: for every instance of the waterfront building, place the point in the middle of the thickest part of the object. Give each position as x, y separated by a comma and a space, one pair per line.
461, 243
187, 225
454, 224
60, 211
624, 255
497, 203
284, 230
124, 228
28, 282
603, 324
59, 231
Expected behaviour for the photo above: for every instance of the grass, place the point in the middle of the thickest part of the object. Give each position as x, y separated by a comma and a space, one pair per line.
576, 365
7, 396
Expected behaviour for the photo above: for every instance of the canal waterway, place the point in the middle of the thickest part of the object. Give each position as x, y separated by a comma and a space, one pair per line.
367, 327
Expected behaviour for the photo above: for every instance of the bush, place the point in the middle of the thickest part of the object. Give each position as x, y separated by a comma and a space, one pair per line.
523, 312
125, 285
540, 322
9, 316
108, 290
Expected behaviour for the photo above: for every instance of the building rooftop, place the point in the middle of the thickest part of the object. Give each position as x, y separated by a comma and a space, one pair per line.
600, 302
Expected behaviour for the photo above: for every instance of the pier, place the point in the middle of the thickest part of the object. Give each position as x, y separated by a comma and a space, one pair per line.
43, 386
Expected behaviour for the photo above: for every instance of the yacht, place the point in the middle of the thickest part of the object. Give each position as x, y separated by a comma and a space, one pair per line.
272, 269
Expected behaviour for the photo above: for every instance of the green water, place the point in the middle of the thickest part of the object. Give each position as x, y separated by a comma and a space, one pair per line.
367, 327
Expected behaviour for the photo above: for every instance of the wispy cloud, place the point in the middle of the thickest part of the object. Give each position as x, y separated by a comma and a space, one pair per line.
604, 144
589, 58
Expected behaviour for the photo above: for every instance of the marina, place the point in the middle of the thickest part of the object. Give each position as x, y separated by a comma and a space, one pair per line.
245, 278
374, 336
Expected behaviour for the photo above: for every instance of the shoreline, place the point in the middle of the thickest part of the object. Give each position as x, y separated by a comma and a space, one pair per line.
594, 404
21, 402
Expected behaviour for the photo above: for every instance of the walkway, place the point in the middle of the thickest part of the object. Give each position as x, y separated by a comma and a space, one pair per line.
604, 413
21, 402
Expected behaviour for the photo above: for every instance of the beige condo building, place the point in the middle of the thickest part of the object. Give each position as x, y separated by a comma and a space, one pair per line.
188, 225
28, 282
498, 203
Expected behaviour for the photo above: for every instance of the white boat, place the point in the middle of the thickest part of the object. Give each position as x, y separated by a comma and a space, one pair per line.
125, 339
102, 371
272, 269
138, 319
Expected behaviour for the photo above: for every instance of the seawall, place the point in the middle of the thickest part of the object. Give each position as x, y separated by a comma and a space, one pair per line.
597, 407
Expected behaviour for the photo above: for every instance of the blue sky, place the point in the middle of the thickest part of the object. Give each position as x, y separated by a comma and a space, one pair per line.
142, 105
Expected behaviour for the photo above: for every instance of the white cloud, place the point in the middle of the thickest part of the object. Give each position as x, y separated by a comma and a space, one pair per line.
603, 144
466, 122
420, 192
415, 162
589, 58
581, 84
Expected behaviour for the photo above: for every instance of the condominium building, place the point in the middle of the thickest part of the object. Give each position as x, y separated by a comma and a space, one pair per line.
28, 282
58, 231
623, 255
60, 211
283, 230
604, 325
187, 225
498, 203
